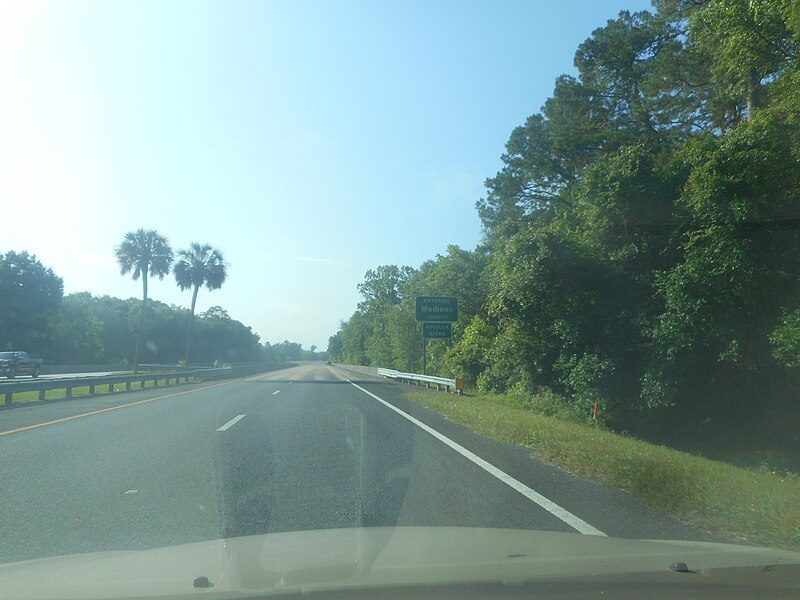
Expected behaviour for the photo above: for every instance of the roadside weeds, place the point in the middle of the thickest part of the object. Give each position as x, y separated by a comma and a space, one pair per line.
754, 505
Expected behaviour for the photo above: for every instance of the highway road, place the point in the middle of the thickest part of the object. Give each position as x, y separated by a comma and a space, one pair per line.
309, 447
26, 377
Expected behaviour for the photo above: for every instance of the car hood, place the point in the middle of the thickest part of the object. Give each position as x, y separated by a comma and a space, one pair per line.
370, 557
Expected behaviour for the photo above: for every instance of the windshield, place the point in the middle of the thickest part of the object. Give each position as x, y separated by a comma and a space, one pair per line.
273, 268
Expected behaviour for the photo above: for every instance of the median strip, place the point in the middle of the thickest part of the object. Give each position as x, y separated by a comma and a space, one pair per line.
532, 495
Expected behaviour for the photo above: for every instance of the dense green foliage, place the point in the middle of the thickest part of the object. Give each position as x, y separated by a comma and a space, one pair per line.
29, 296
94, 330
642, 239
292, 351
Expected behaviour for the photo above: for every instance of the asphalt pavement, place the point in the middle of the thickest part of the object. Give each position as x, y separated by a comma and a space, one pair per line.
25, 377
311, 447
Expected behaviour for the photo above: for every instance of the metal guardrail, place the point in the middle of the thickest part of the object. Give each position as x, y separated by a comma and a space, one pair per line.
428, 380
51, 369
111, 381
159, 367
163, 367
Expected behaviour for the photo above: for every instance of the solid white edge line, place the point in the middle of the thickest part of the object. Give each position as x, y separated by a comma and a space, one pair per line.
554, 509
231, 423
276, 392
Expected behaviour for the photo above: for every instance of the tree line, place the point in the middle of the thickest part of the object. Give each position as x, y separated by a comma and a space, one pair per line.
144, 253
84, 329
641, 242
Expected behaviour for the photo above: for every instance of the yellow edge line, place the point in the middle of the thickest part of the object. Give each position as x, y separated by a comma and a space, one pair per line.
110, 408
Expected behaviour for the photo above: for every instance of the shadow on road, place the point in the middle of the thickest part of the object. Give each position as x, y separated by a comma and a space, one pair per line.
320, 462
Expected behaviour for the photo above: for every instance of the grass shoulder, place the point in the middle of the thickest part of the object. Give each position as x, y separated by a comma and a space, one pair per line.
752, 504
101, 389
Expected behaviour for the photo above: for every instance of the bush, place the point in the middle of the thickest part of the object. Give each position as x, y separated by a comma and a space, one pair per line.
542, 401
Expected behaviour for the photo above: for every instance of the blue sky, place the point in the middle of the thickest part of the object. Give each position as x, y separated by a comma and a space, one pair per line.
309, 141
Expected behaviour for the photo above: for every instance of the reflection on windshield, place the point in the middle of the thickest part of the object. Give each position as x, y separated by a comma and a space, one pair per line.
313, 464
375, 275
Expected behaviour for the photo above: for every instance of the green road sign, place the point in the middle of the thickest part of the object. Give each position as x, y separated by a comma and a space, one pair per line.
437, 308
434, 331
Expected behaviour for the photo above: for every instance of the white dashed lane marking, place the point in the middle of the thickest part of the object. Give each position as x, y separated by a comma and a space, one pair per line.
231, 423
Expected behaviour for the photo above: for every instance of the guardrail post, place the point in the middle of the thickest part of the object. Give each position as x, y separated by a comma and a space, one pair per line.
9, 396
68, 392
127, 386
42, 395
91, 389
155, 382
110, 388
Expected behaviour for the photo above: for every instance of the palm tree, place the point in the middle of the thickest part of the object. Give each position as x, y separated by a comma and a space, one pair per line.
144, 252
198, 266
